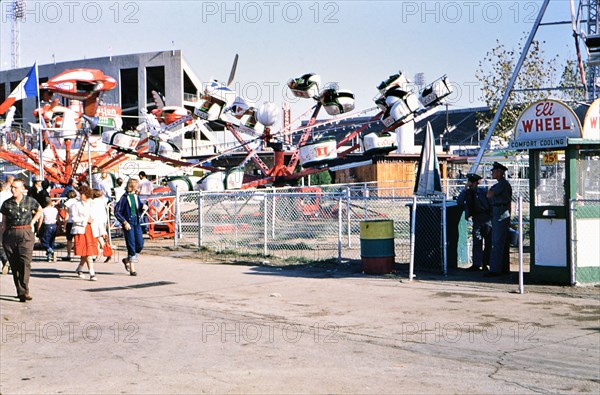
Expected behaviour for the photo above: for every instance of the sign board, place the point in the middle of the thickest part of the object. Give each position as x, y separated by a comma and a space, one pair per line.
109, 115
591, 123
545, 124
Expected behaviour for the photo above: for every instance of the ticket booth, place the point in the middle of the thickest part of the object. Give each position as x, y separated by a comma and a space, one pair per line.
564, 187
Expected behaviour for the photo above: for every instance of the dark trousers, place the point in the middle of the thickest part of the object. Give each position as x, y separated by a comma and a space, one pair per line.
47, 237
134, 238
499, 262
18, 245
482, 243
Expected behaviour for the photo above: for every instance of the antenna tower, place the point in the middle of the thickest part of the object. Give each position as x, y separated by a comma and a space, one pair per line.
18, 15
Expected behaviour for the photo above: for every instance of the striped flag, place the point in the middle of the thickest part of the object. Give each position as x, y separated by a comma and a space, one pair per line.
26, 88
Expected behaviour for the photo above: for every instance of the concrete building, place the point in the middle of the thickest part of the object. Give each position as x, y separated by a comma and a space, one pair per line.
137, 76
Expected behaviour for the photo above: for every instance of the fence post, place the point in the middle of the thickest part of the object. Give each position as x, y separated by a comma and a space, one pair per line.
177, 217
235, 221
444, 237
200, 218
365, 193
340, 202
265, 224
273, 201
573, 242
520, 211
348, 230
413, 216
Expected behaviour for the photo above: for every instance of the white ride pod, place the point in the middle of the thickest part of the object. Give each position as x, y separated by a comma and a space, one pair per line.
337, 102
215, 99
170, 114
402, 110
166, 148
66, 120
318, 152
234, 178
249, 124
213, 182
387, 100
267, 114
379, 143
435, 92
127, 140
306, 86
208, 110
182, 183
398, 80
239, 107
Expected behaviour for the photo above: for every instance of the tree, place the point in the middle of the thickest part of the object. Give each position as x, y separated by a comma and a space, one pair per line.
570, 82
494, 73
321, 178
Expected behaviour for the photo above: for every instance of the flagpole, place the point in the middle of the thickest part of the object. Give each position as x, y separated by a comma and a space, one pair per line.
41, 133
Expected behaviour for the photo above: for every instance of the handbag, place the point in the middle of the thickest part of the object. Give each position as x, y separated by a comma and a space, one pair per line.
107, 249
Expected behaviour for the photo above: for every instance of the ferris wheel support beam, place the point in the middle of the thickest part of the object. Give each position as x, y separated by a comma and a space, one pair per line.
509, 87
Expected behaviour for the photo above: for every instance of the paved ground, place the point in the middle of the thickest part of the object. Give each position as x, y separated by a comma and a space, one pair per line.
194, 326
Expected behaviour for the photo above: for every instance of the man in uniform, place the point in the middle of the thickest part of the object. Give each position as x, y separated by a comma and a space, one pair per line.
476, 204
20, 213
500, 195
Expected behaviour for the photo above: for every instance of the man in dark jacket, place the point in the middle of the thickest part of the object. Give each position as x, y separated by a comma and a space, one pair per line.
500, 195
475, 202
37, 190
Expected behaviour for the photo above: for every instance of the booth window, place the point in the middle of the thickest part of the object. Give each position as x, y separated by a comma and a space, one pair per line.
588, 174
550, 178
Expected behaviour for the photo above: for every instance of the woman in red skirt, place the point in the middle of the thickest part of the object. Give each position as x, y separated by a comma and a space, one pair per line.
86, 244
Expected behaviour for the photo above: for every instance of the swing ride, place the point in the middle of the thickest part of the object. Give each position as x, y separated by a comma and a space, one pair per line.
65, 130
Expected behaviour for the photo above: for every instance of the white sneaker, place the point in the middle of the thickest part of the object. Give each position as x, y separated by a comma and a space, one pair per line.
80, 274
93, 278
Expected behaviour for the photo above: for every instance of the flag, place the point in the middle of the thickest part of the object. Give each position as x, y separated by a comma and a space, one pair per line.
26, 88
428, 180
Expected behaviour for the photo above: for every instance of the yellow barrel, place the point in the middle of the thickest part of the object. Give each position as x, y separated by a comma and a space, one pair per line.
377, 246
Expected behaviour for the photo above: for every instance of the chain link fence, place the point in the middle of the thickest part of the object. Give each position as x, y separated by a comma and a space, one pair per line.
323, 223
585, 234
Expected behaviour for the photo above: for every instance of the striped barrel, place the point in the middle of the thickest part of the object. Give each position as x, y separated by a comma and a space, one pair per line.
377, 246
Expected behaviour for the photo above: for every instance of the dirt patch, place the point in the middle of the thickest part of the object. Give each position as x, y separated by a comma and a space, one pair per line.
333, 268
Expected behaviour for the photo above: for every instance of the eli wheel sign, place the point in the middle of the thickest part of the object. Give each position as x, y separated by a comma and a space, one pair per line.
545, 124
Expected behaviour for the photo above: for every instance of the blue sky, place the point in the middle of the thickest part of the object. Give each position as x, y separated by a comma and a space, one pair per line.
355, 43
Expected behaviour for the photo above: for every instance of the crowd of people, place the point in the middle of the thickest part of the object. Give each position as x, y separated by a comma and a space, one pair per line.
27, 214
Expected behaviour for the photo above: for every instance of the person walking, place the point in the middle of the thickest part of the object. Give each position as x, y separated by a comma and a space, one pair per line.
500, 195
68, 205
100, 211
118, 189
5, 193
20, 214
477, 207
127, 212
86, 243
145, 189
47, 229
